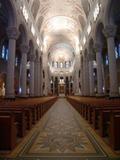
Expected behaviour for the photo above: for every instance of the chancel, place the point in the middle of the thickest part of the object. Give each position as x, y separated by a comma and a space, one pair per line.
60, 79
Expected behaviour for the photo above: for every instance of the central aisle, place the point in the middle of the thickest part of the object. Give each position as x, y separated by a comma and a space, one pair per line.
62, 134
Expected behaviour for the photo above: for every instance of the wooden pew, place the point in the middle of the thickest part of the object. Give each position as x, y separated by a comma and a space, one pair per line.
96, 114
104, 120
20, 118
99, 113
7, 132
26, 112
114, 130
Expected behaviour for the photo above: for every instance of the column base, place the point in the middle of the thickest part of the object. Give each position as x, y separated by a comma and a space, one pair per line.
114, 95
23, 96
32, 95
9, 96
99, 95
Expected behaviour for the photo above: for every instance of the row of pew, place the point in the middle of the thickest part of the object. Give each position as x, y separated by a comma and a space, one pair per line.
18, 117
103, 115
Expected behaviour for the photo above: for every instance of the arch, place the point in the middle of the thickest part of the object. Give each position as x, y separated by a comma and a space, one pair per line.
91, 43
91, 49
81, 60
23, 34
31, 47
82, 21
107, 18
35, 8
40, 60
11, 12
99, 32
37, 54
86, 6
39, 22
109, 12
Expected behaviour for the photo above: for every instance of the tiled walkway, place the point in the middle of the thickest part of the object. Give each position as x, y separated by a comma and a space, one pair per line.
62, 134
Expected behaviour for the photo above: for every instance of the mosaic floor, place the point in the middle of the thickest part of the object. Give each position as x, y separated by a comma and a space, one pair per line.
62, 134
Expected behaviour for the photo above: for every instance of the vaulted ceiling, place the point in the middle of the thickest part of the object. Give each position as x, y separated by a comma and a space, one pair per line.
60, 22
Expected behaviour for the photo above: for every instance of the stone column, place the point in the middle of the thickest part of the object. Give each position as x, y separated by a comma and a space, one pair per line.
82, 78
91, 76
98, 48
46, 79
53, 85
35, 78
24, 50
32, 62
110, 32
87, 83
41, 80
12, 35
85, 76
38, 81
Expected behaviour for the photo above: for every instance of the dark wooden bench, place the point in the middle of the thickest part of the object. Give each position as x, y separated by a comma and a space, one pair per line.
26, 113
114, 130
98, 113
20, 118
7, 132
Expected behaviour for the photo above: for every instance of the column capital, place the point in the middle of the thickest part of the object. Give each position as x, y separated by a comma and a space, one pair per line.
91, 57
12, 33
110, 31
98, 47
24, 48
37, 60
32, 57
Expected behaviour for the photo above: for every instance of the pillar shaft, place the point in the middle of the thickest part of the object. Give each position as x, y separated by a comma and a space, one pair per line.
32, 58
85, 76
98, 48
87, 88
91, 77
12, 35
24, 50
110, 32
38, 68
36, 78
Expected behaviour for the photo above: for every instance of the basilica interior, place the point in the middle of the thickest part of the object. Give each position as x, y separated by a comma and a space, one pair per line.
59, 79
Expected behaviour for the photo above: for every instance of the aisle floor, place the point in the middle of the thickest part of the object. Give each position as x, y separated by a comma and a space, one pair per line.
62, 134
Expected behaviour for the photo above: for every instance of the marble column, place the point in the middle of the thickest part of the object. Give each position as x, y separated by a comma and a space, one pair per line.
24, 50
12, 36
32, 62
98, 49
91, 76
110, 32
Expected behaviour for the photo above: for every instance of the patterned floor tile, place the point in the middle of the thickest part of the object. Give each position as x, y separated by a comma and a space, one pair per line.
63, 136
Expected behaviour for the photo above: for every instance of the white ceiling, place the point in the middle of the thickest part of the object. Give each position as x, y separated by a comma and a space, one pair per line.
60, 23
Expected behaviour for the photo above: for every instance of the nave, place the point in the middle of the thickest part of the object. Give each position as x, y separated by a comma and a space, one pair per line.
62, 134
48, 50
